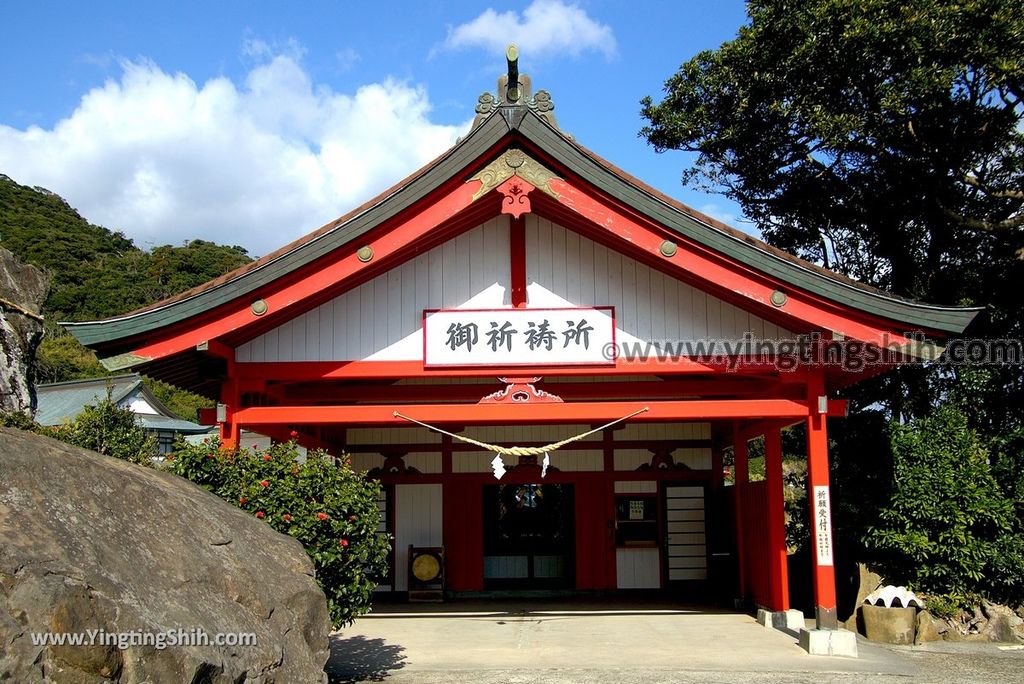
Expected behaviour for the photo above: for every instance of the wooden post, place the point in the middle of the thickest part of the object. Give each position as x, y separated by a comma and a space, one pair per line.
230, 394
820, 504
741, 476
230, 432
446, 455
777, 571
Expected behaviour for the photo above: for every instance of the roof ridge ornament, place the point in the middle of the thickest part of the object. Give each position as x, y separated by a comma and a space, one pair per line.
513, 162
515, 90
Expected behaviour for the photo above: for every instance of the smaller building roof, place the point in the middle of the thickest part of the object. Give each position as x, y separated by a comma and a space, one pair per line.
60, 402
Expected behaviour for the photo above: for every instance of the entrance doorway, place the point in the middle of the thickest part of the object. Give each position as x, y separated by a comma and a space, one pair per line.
686, 556
529, 536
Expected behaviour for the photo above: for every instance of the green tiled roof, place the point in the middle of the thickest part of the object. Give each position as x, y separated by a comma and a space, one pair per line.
518, 126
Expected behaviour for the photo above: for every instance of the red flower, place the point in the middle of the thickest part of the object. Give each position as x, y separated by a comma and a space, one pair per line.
242, 501
266, 457
287, 517
170, 458
264, 483
343, 542
260, 514
321, 516
293, 434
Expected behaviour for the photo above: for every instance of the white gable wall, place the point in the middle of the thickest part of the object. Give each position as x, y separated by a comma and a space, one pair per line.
563, 268
381, 320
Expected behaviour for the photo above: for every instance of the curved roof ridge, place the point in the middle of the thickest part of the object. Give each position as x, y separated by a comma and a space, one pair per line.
576, 159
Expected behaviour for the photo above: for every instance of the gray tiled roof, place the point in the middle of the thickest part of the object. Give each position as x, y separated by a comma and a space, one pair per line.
61, 402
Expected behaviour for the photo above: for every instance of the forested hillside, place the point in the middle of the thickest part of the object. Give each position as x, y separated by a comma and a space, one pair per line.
96, 273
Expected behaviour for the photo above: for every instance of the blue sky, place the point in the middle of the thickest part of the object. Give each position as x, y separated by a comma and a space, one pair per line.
255, 122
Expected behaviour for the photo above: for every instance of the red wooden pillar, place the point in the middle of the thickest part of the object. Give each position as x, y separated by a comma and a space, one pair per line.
820, 504
230, 395
463, 534
741, 477
778, 574
517, 252
229, 430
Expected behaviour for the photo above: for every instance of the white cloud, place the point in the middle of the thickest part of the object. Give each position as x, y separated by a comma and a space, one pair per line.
347, 59
546, 27
258, 164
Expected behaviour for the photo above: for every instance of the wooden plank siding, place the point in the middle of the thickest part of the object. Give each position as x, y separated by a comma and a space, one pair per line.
381, 320
564, 268
418, 521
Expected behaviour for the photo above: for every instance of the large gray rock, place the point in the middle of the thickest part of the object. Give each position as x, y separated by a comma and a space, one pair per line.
23, 290
88, 542
1003, 624
927, 628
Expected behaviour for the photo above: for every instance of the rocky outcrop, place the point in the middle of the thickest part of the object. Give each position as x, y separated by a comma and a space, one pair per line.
23, 290
868, 581
93, 545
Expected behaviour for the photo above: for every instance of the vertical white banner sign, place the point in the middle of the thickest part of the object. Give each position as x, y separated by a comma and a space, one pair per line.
823, 525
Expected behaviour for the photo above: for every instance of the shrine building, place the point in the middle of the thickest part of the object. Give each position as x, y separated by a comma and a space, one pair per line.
605, 343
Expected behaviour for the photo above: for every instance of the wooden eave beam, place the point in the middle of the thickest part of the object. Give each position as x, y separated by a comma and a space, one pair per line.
498, 414
341, 266
298, 371
802, 310
341, 394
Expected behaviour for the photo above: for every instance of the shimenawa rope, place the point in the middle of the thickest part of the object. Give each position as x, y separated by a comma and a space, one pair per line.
518, 450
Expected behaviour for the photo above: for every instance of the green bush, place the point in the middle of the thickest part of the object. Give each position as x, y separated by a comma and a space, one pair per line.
110, 430
948, 530
322, 502
19, 420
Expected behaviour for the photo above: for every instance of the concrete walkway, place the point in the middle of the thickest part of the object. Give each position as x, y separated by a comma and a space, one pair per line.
618, 641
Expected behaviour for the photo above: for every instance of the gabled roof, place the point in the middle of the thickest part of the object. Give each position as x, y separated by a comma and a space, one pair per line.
60, 402
520, 125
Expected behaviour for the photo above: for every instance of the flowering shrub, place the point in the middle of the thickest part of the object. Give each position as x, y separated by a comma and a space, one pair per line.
322, 502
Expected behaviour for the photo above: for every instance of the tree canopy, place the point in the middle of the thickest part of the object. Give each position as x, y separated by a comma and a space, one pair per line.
884, 139
97, 273
862, 133
880, 138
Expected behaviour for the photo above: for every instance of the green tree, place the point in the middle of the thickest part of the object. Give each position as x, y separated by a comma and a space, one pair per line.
881, 138
947, 528
321, 501
110, 430
181, 403
96, 272
884, 139
61, 357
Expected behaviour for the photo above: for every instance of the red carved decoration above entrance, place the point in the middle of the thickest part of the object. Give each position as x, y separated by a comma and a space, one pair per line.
520, 391
516, 191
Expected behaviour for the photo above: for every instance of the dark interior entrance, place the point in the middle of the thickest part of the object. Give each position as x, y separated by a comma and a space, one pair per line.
528, 536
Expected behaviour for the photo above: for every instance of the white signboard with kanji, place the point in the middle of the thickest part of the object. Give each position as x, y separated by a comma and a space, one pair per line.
823, 525
519, 337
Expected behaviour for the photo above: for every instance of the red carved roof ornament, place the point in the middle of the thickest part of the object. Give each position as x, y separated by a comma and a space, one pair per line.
520, 391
